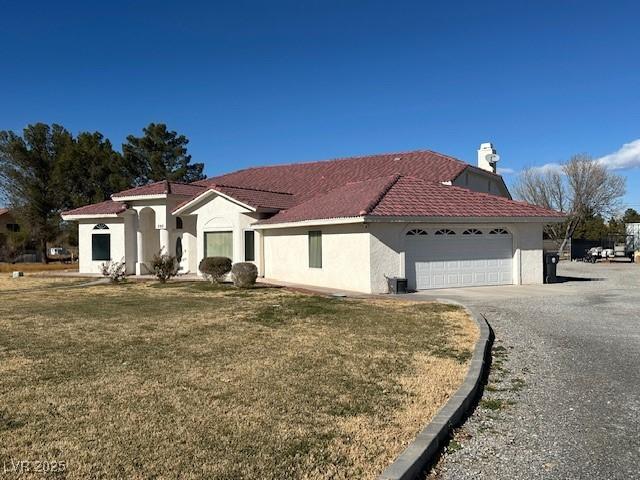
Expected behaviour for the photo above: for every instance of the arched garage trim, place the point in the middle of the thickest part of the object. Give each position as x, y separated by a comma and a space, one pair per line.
459, 256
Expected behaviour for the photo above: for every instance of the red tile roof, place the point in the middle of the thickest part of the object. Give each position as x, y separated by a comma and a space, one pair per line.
3, 211
306, 180
411, 196
257, 198
102, 208
351, 200
402, 196
249, 196
163, 187
392, 184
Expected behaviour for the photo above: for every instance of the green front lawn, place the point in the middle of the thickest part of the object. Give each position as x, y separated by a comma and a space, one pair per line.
192, 381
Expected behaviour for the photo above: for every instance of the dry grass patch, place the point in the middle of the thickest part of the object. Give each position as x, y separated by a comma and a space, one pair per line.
195, 381
30, 281
38, 267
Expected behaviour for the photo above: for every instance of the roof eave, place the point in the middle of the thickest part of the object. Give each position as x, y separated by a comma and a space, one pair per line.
128, 198
309, 223
450, 219
91, 215
191, 203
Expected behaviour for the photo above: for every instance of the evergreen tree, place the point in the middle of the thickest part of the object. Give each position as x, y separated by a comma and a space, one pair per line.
631, 216
90, 171
28, 179
160, 154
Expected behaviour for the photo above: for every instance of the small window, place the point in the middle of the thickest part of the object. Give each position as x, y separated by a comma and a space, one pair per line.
101, 226
416, 231
101, 246
498, 231
13, 227
445, 231
472, 231
178, 223
315, 249
249, 246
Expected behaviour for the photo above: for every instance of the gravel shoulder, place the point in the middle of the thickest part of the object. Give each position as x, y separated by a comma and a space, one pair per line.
563, 396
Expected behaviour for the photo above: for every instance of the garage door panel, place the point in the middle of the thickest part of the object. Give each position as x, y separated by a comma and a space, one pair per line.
479, 278
437, 281
455, 261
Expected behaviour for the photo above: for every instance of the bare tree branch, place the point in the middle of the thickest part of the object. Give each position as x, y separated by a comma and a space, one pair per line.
582, 187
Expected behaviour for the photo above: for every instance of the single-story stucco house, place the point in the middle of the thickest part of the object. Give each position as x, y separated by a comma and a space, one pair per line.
345, 224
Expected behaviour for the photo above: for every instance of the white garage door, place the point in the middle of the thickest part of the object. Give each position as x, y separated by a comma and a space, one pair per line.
464, 257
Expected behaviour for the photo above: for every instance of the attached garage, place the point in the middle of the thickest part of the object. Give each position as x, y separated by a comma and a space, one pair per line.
458, 257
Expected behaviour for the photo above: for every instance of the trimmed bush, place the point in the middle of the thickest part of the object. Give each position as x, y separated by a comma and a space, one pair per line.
215, 268
116, 271
164, 266
244, 274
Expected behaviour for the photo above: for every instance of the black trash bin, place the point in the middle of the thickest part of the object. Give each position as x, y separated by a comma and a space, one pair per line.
550, 267
397, 285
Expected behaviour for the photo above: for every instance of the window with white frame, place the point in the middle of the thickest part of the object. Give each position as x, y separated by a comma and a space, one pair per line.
315, 249
218, 244
249, 246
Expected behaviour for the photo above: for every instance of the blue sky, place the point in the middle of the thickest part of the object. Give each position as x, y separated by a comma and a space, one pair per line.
254, 83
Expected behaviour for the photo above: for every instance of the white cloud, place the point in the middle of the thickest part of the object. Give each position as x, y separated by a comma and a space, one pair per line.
628, 156
506, 171
547, 167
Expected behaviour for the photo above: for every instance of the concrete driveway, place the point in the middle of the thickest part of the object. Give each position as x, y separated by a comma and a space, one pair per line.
563, 399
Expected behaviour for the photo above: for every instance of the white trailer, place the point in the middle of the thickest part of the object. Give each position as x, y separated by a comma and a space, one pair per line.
633, 237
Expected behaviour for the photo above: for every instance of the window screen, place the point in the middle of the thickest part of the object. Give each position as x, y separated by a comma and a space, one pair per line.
249, 246
218, 244
315, 249
101, 246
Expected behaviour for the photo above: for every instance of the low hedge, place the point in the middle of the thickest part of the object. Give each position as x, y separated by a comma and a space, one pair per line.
244, 274
215, 268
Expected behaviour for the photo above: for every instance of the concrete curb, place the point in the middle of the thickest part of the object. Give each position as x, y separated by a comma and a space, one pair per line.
423, 451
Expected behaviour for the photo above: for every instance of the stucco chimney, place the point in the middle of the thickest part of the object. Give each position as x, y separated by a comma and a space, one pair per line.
487, 157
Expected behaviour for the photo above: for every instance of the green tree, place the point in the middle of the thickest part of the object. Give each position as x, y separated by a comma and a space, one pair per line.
592, 227
28, 179
90, 171
631, 216
160, 154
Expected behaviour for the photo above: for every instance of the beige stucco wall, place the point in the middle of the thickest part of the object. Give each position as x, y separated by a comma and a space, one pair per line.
529, 245
219, 214
479, 182
120, 248
345, 257
388, 250
153, 216
189, 262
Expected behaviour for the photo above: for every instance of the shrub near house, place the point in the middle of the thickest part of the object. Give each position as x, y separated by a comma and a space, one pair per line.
215, 268
164, 266
244, 274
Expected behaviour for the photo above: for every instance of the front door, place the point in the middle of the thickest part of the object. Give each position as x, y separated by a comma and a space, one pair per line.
182, 255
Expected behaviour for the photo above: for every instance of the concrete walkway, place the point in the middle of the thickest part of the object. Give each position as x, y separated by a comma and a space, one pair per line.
564, 395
